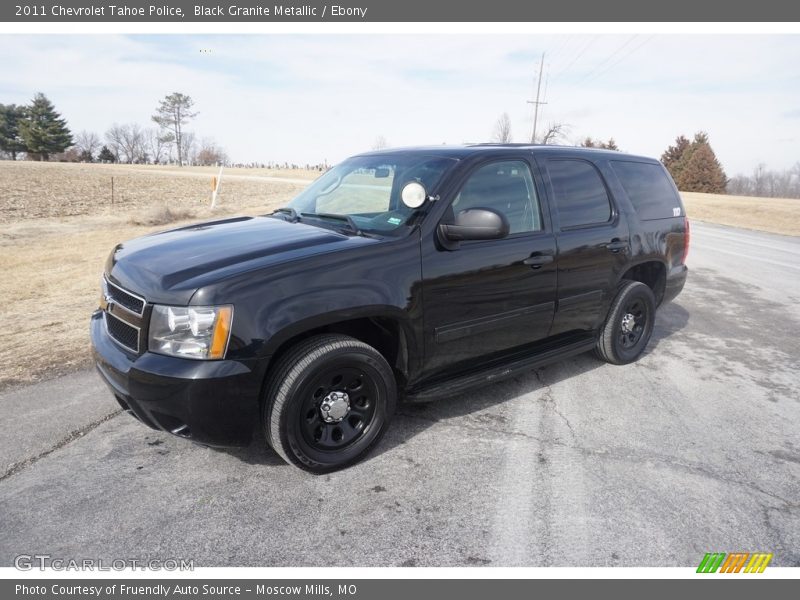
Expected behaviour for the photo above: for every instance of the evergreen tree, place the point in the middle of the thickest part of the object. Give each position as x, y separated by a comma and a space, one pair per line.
694, 166
702, 171
43, 130
173, 112
106, 155
609, 145
674, 154
10, 140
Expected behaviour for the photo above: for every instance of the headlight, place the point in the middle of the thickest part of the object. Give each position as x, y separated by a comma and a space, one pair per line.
199, 332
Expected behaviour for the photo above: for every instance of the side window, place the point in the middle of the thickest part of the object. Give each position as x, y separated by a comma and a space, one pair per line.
649, 189
506, 187
580, 196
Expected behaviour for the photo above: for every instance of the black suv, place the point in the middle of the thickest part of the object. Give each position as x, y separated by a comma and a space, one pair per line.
411, 273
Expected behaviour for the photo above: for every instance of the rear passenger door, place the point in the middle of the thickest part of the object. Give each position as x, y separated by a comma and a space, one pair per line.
592, 238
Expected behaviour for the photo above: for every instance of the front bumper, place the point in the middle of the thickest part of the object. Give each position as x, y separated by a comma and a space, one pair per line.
210, 402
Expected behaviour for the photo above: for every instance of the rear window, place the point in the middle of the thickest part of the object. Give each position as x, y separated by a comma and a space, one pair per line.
649, 189
580, 194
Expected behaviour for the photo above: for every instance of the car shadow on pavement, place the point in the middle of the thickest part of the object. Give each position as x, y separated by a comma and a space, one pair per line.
470, 409
257, 453
670, 319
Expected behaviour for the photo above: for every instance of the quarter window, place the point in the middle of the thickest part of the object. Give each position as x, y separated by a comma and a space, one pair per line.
506, 187
580, 196
649, 189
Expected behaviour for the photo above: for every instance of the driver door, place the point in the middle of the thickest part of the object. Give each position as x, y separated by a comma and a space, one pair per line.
491, 296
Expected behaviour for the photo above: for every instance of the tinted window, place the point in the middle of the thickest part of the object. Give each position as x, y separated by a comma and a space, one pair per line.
506, 187
648, 188
580, 195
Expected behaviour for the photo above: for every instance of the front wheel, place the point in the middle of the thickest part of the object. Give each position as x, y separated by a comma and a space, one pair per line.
328, 402
629, 324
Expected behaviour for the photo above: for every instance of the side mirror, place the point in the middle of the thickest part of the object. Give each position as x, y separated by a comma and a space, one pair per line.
476, 224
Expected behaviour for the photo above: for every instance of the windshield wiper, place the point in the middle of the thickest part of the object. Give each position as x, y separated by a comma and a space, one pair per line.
351, 224
287, 210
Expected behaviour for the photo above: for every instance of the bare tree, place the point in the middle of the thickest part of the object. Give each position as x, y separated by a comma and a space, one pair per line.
210, 154
759, 176
502, 129
158, 145
87, 143
133, 144
127, 142
380, 143
554, 133
113, 138
187, 149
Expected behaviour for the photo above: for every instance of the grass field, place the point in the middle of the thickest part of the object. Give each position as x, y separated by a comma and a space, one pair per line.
58, 224
774, 215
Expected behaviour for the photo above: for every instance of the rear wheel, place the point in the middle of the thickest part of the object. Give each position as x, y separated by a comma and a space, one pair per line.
329, 401
629, 324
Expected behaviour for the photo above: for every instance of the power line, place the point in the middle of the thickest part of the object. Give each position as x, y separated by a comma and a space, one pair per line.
608, 58
583, 50
560, 49
623, 57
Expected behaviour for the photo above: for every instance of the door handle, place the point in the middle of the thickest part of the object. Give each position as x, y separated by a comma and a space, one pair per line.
537, 260
616, 245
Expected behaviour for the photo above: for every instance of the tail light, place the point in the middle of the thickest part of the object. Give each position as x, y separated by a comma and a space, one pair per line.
686, 238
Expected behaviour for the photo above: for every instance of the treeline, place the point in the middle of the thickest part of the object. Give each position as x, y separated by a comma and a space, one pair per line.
766, 183
38, 132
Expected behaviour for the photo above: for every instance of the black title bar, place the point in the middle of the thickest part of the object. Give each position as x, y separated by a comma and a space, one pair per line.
97, 11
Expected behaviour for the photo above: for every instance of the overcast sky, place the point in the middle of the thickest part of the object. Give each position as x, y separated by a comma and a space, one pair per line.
309, 98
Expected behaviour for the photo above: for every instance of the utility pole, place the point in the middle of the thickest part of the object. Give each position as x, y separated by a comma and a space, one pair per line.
536, 102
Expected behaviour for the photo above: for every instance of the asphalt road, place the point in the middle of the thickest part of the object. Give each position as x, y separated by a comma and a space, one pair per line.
694, 448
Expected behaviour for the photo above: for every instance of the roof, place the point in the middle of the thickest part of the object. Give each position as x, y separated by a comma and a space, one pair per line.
467, 150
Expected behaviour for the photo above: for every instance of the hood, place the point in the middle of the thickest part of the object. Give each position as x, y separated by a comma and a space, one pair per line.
168, 267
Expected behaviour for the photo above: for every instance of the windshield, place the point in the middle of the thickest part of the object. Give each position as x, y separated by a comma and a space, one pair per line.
367, 190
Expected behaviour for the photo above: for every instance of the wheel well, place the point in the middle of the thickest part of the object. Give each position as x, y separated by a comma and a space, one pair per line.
384, 334
651, 273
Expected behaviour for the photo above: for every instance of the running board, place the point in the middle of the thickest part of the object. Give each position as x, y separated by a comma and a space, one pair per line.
515, 366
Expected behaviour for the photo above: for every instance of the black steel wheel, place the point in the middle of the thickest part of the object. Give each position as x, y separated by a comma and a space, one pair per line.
629, 324
328, 402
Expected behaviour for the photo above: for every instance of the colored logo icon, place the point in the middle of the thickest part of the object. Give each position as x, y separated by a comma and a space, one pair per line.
737, 562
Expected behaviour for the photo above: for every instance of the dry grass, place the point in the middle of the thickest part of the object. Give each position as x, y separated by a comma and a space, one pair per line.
51, 259
57, 226
774, 215
161, 216
36, 190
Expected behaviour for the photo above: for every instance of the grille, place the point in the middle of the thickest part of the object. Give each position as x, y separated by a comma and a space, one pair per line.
125, 334
125, 299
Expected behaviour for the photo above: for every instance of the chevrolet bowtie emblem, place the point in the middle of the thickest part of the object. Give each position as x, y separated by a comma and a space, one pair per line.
108, 303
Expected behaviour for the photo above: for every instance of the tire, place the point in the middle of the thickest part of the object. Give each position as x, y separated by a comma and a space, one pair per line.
629, 324
328, 402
